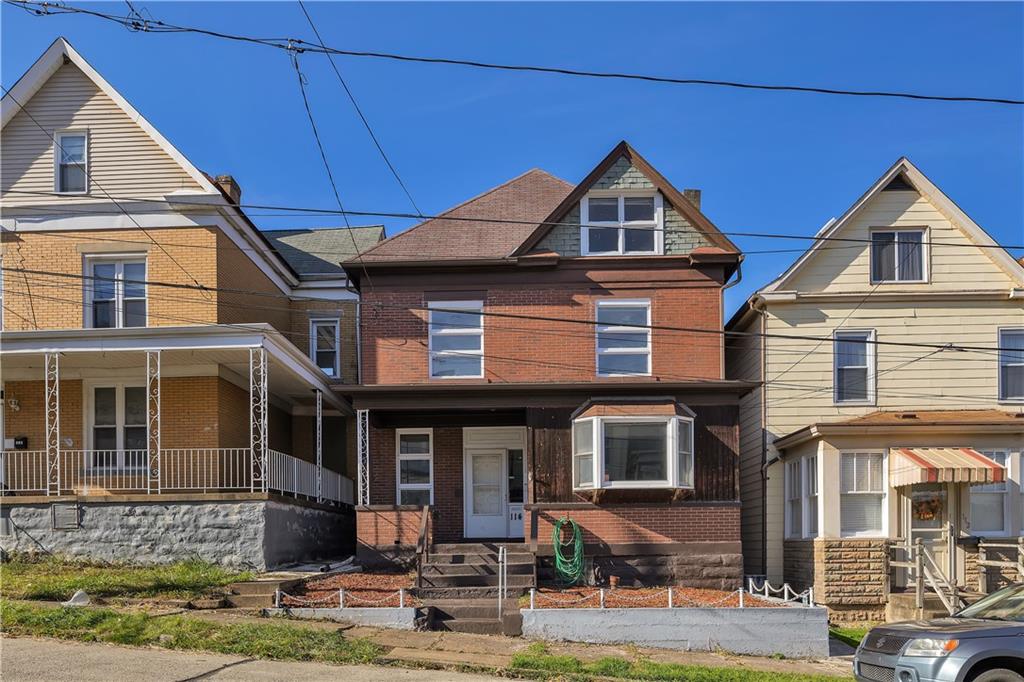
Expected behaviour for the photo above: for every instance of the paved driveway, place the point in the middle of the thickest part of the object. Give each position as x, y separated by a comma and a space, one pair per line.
46, 660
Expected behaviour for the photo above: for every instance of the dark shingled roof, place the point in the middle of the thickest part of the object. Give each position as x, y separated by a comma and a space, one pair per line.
529, 197
318, 250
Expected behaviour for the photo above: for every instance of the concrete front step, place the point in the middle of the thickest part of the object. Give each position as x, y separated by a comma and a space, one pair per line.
478, 558
456, 609
251, 601
262, 587
902, 606
479, 547
521, 581
476, 569
468, 592
476, 626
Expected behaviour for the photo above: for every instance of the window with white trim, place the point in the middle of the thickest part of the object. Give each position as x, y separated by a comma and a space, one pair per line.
1011, 365
988, 500
119, 437
456, 339
623, 338
71, 161
853, 357
862, 493
633, 452
621, 224
794, 499
897, 256
115, 292
414, 454
325, 345
811, 496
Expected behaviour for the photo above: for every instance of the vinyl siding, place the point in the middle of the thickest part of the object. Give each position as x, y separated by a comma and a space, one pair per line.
123, 159
845, 267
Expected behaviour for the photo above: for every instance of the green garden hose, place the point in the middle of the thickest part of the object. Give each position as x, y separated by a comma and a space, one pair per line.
569, 571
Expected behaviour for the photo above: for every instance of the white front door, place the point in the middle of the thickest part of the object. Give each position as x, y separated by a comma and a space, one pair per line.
486, 498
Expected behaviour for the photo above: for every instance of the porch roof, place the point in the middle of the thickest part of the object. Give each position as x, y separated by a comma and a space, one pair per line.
942, 465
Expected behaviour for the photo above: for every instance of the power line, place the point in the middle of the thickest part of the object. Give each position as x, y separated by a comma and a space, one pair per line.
155, 26
359, 110
513, 221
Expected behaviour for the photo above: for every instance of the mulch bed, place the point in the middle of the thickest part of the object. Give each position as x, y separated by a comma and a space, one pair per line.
641, 597
361, 589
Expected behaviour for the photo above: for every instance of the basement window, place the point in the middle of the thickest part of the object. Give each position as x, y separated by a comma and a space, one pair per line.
633, 452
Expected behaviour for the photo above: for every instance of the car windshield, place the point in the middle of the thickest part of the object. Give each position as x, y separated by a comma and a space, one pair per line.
1006, 604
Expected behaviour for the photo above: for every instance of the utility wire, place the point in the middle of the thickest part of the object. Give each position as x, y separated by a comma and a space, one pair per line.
155, 26
359, 110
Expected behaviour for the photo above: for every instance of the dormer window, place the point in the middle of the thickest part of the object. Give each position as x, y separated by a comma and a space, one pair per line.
621, 224
71, 154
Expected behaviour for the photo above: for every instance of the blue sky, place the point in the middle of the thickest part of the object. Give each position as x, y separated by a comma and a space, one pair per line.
766, 162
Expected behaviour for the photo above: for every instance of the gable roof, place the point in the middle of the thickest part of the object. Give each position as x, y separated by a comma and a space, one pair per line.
904, 174
61, 52
468, 231
671, 194
320, 250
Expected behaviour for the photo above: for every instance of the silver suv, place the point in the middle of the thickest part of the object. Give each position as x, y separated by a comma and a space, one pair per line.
982, 643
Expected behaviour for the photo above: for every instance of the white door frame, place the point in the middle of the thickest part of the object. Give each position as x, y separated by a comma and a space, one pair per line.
501, 518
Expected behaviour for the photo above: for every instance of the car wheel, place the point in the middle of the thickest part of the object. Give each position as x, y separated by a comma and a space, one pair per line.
999, 675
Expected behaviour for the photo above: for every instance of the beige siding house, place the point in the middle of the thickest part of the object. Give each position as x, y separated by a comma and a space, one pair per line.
893, 370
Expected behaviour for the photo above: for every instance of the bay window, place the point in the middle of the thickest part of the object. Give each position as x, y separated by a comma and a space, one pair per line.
633, 452
854, 367
862, 494
988, 501
415, 466
623, 338
1011, 365
456, 339
811, 495
802, 497
115, 292
621, 224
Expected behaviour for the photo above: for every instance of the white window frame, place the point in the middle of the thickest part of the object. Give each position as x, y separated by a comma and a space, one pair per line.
794, 495
1002, 397
470, 306
89, 284
870, 358
58, 146
89, 387
811, 491
622, 225
1004, 493
399, 457
671, 445
599, 328
884, 532
897, 238
317, 322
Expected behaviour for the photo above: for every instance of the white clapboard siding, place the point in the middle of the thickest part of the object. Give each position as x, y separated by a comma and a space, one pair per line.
123, 159
844, 267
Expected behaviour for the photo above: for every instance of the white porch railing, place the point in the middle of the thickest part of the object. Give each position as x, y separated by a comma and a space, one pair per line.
181, 470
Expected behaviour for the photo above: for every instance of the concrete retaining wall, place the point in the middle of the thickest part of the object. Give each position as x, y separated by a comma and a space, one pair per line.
253, 534
390, 617
798, 632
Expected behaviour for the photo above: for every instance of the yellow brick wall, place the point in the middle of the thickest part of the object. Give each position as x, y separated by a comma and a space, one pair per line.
237, 272
303, 311
30, 418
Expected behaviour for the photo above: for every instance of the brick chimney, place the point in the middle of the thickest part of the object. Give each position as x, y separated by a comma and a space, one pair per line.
230, 187
692, 195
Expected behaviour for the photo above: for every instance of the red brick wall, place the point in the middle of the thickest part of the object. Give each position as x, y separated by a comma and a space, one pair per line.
386, 528
646, 524
395, 338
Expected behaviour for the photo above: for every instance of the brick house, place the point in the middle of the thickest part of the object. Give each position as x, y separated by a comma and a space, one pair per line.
518, 368
855, 451
166, 367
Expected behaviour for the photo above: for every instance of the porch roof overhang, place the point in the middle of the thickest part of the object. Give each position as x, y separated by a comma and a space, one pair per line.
909, 466
185, 351
515, 394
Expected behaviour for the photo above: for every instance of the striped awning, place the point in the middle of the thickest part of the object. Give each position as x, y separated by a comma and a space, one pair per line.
942, 465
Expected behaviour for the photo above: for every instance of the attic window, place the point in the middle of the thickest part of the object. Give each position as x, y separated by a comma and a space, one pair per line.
71, 154
621, 224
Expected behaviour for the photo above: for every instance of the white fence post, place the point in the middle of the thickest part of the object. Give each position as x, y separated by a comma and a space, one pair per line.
741, 598
401, 597
277, 598
533, 598
341, 598
670, 597
602, 597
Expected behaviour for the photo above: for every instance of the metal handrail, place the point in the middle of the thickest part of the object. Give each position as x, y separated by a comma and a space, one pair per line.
422, 546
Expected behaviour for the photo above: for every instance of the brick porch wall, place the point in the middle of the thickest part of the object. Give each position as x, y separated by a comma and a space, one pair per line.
645, 524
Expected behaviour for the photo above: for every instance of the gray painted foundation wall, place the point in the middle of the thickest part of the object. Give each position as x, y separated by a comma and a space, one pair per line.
798, 632
395, 618
253, 534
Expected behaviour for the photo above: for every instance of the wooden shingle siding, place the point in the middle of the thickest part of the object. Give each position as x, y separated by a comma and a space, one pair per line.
123, 159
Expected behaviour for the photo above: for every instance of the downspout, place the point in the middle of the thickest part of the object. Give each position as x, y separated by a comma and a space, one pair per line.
721, 305
764, 443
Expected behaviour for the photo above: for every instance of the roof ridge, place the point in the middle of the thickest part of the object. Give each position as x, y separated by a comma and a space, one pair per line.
449, 211
326, 228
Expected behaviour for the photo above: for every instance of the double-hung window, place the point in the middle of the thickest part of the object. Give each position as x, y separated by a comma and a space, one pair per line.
621, 224
325, 346
623, 338
811, 496
456, 339
862, 494
897, 256
794, 498
115, 292
988, 501
633, 452
415, 470
1011, 365
854, 366
71, 158
119, 436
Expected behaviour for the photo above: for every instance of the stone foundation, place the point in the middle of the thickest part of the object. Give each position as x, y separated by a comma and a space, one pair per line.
850, 576
256, 534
